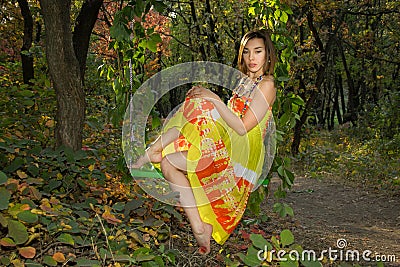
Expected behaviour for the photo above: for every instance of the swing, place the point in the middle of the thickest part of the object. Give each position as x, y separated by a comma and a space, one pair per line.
146, 173
141, 173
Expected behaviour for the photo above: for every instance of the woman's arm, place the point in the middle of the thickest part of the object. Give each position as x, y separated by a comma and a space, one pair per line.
262, 100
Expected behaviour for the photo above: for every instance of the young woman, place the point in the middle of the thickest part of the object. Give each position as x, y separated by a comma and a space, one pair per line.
213, 153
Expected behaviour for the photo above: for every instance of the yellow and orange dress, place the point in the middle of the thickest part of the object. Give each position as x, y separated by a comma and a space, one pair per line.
223, 167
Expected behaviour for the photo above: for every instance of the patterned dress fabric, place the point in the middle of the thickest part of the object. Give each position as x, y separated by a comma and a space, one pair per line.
223, 167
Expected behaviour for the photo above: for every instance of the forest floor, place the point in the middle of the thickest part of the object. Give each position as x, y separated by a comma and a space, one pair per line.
328, 211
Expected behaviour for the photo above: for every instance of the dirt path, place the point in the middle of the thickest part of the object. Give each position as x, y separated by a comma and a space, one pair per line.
326, 211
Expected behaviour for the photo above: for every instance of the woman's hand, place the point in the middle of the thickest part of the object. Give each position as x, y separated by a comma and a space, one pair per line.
200, 91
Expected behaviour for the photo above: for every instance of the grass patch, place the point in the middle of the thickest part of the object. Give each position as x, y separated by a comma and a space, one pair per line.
344, 155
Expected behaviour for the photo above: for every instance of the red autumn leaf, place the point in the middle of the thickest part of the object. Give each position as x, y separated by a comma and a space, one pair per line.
219, 257
257, 231
240, 247
27, 252
245, 235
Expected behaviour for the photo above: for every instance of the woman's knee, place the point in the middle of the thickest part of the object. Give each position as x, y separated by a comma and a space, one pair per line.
166, 166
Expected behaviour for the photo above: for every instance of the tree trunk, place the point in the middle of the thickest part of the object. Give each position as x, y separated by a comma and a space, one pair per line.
198, 30
313, 95
38, 32
65, 73
342, 100
81, 36
352, 97
336, 106
27, 60
299, 124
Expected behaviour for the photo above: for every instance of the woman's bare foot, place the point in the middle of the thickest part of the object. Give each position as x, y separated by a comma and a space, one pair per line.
203, 239
150, 155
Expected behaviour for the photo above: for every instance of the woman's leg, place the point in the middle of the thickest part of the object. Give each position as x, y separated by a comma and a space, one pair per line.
154, 152
173, 167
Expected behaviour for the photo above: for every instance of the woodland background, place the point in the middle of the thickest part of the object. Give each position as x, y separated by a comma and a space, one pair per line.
68, 69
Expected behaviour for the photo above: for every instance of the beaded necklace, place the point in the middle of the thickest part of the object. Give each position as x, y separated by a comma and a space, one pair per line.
241, 89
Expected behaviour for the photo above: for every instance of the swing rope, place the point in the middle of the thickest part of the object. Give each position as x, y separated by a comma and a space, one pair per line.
138, 172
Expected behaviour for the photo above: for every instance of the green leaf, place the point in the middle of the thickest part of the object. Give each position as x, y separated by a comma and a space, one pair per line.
5, 196
5, 261
52, 184
66, 238
48, 260
159, 261
259, 241
288, 210
155, 123
15, 164
3, 178
281, 171
128, 12
139, 8
287, 237
28, 103
159, 6
122, 258
31, 263
297, 100
105, 254
119, 206
310, 263
144, 257
284, 17
26, 93
143, 254
133, 204
288, 262
288, 177
120, 32
285, 118
283, 78
86, 262
27, 216
153, 41
17, 231
3, 221
251, 259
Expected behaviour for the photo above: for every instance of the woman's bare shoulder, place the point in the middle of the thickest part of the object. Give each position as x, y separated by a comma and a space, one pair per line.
267, 83
268, 89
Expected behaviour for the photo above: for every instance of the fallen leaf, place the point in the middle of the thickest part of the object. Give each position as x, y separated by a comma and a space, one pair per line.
22, 174
146, 237
91, 167
59, 257
27, 252
110, 218
245, 235
7, 242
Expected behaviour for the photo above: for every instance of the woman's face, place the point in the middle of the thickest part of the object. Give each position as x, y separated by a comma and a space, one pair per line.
254, 56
